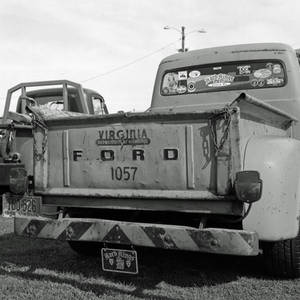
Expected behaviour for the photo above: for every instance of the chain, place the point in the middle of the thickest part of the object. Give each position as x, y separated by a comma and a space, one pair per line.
10, 138
227, 120
37, 123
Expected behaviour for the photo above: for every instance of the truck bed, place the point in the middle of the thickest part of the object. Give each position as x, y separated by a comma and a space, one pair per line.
150, 156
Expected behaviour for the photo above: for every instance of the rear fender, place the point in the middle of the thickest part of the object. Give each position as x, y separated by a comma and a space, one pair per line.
276, 215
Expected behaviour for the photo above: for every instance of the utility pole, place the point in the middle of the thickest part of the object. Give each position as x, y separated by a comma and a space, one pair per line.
183, 35
183, 39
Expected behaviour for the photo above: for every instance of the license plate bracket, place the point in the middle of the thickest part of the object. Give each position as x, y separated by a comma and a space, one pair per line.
20, 205
119, 260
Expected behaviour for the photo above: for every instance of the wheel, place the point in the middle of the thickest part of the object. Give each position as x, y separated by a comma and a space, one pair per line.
282, 258
85, 248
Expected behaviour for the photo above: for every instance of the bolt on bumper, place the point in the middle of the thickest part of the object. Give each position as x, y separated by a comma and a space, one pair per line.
211, 240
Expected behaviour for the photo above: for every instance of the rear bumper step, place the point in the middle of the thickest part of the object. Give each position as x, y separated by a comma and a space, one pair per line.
211, 240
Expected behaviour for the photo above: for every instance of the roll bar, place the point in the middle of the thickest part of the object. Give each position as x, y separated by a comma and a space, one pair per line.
64, 83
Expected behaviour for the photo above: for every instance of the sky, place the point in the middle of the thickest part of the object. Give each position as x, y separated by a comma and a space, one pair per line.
115, 46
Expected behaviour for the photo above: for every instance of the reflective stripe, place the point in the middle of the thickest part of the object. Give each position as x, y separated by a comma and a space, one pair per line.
183, 240
213, 240
138, 235
97, 232
52, 229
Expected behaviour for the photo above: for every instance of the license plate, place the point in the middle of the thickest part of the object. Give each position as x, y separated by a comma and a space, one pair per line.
14, 205
120, 261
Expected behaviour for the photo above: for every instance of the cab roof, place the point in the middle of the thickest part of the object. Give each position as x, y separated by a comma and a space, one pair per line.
227, 50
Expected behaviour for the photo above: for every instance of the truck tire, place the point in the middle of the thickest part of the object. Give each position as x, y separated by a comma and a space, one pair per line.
85, 248
282, 258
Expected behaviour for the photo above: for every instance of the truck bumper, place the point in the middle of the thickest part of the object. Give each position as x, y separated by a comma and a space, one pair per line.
212, 240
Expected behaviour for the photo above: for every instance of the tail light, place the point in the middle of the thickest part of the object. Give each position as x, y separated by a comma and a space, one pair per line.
248, 186
18, 180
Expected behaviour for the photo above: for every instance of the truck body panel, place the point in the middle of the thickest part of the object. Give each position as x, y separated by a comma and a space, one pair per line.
276, 216
73, 172
104, 160
167, 152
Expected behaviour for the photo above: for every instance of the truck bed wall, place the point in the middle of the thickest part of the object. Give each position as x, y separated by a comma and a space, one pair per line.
142, 154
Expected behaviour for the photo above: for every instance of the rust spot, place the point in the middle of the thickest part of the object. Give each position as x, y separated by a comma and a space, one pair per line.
31, 230
69, 233
167, 239
214, 243
160, 237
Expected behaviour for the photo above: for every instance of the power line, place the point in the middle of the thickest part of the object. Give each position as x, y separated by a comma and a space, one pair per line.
130, 63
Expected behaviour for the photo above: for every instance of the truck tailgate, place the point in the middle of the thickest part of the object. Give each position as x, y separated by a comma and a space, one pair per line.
170, 156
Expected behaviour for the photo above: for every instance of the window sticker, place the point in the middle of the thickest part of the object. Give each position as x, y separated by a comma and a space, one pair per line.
275, 81
171, 83
194, 74
165, 91
181, 89
262, 73
254, 82
222, 77
276, 69
261, 82
219, 80
191, 86
182, 75
244, 69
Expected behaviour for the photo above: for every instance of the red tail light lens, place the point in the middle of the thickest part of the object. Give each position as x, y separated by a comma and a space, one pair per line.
248, 186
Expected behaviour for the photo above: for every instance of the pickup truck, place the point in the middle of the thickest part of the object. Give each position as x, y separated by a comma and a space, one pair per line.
51, 96
212, 166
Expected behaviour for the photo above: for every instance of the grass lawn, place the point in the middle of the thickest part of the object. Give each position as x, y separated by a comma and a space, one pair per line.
42, 269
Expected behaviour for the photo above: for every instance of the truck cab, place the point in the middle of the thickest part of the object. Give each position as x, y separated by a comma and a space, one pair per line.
211, 78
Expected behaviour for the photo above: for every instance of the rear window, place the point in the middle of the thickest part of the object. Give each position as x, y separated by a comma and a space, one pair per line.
226, 76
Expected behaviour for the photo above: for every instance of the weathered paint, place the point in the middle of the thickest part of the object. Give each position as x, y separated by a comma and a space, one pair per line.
66, 158
190, 158
40, 155
199, 171
158, 156
212, 240
276, 215
5, 171
223, 157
